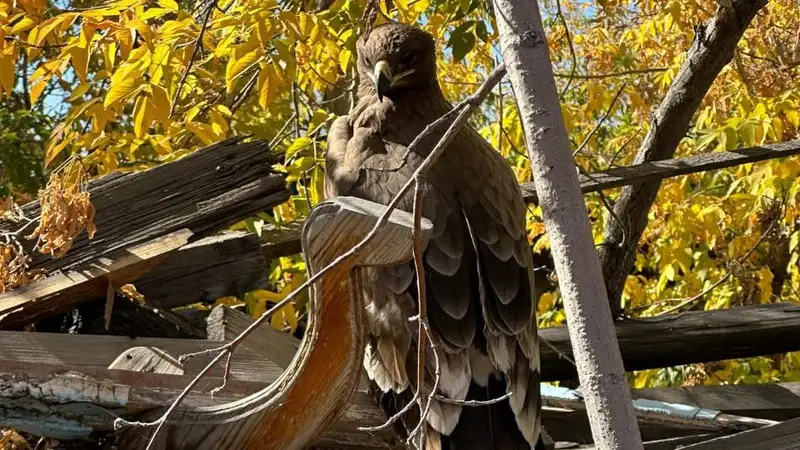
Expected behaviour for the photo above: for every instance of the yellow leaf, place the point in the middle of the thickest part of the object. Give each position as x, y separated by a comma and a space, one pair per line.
80, 61
143, 116
153, 13
54, 151
228, 300
172, 5
38, 88
236, 66
268, 84
7, 72
124, 82
22, 25
161, 103
100, 115
159, 60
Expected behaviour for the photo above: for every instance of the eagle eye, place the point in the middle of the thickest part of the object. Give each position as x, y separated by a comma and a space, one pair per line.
408, 59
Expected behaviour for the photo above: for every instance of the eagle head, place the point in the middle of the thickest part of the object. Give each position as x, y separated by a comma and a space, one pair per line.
396, 57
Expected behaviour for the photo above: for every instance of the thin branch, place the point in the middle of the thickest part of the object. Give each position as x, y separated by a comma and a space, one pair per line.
473, 403
198, 44
601, 121
419, 268
239, 100
561, 355
279, 135
612, 74
571, 76
227, 373
437, 377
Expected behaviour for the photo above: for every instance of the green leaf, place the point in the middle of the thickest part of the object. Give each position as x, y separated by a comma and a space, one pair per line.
462, 40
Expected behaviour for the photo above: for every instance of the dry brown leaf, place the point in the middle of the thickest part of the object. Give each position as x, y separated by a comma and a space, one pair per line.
66, 211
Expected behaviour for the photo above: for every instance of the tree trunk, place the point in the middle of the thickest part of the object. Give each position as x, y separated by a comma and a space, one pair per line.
527, 59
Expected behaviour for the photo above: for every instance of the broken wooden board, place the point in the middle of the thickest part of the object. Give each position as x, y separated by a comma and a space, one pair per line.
63, 290
225, 263
204, 192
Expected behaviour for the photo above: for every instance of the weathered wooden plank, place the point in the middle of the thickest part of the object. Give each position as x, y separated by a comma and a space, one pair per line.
132, 318
54, 351
783, 436
69, 402
226, 263
780, 401
147, 359
204, 192
691, 337
63, 290
226, 323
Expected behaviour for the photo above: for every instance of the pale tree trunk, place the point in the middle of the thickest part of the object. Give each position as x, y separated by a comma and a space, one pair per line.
594, 342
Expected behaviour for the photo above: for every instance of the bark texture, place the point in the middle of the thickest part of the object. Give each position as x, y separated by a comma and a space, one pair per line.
527, 59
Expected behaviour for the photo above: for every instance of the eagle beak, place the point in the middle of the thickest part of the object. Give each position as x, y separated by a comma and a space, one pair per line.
382, 78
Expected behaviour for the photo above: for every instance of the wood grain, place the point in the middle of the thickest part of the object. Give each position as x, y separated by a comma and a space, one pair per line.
69, 288
205, 191
692, 337
783, 436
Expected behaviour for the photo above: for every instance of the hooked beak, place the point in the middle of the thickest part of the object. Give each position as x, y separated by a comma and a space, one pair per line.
382, 77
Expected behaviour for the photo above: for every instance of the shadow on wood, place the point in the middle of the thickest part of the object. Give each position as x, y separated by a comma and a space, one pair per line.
315, 389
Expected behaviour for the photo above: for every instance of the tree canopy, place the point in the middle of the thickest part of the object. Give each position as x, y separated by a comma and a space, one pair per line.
125, 85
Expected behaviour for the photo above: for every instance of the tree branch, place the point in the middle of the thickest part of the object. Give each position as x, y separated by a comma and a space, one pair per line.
712, 49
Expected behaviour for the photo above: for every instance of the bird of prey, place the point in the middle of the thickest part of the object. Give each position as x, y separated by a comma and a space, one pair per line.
478, 266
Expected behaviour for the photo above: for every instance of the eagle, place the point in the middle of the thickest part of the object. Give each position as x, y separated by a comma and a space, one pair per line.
478, 262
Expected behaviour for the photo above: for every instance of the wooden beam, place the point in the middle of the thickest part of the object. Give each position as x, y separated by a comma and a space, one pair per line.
63, 290
52, 352
133, 318
286, 241
783, 436
226, 263
687, 338
206, 191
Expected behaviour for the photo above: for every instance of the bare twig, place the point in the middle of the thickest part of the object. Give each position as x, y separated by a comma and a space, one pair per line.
227, 373
470, 105
419, 268
601, 121
437, 376
239, 100
492, 401
561, 355
611, 74
571, 76
198, 44
279, 135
